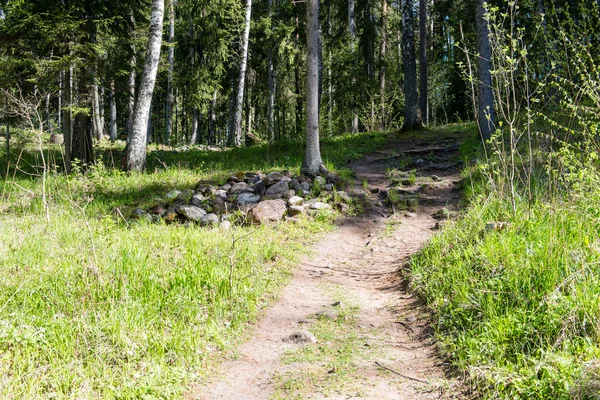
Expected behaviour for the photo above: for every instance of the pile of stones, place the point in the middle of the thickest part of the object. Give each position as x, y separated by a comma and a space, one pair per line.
247, 197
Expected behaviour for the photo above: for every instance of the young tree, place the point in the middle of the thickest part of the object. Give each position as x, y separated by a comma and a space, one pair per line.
170, 60
312, 164
486, 114
135, 158
412, 114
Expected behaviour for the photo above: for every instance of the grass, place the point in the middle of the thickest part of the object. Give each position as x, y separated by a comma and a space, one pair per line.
518, 309
92, 306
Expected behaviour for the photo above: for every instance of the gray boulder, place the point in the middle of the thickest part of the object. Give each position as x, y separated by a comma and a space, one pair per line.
197, 200
259, 188
246, 198
277, 190
295, 201
273, 178
268, 211
209, 220
238, 187
296, 210
191, 213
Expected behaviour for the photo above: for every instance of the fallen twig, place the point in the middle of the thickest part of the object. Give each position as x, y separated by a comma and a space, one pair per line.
398, 373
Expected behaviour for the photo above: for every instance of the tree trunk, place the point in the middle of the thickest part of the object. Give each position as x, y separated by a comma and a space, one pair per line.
312, 164
131, 85
96, 120
272, 74
423, 62
412, 115
170, 61
82, 141
47, 112
113, 111
61, 82
485, 110
136, 147
352, 31
236, 136
195, 137
212, 123
67, 135
382, 61
329, 77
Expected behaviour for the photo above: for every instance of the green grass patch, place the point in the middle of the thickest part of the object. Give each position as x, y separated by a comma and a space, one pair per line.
92, 306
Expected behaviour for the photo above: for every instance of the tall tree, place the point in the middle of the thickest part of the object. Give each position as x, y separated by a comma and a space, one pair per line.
235, 137
352, 32
382, 61
486, 114
272, 81
113, 110
412, 114
423, 62
312, 164
170, 61
135, 159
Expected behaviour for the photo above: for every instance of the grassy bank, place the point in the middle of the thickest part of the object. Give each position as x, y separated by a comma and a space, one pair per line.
517, 305
92, 306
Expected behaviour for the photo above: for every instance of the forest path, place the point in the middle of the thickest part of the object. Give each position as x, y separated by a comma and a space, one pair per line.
373, 341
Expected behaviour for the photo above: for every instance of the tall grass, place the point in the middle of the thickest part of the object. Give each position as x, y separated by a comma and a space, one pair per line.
92, 306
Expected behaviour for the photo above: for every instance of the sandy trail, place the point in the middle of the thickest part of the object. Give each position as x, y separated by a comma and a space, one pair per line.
361, 259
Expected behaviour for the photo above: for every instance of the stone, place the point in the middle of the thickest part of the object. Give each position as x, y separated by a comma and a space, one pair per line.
344, 196
137, 213
220, 205
304, 178
319, 181
289, 194
305, 193
301, 336
436, 178
245, 208
259, 188
170, 215
185, 195
277, 190
226, 187
328, 314
172, 195
273, 178
293, 183
247, 198
157, 209
443, 213
225, 225
296, 210
252, 180
238, 187
191, 213
209, 220
410, 215
295, 201
303, 186
319, 206
197, 200
268, 211
221, 193
328, 187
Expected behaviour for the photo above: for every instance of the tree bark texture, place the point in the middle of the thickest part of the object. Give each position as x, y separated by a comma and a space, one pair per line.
239, 101
312, 163
423, 62
136, 147
382, 61
485, 109
272, 82
412, 114
113, 111
170, 61
352, 32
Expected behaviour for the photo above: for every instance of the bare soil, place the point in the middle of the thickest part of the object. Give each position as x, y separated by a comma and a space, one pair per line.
394, 355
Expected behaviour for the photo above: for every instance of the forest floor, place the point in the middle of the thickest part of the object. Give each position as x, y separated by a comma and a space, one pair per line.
373, 339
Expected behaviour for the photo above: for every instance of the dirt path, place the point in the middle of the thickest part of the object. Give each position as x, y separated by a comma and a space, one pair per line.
373, 341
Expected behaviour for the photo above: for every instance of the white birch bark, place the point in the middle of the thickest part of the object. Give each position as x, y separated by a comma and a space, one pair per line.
486, 113
135, 159
239, 101
170, 60
113, 111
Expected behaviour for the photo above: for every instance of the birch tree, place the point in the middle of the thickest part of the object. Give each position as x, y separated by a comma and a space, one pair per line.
486, 114
135, 158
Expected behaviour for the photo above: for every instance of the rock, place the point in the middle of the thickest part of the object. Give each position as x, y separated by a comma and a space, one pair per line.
304, 179
260, 188
418, 162
185, 195
436, 178
172, 195
245, 208
443, 213
247, 198
305, 193
289, 194
303, 186
344, 196
157, 209
328, 187
295, 201
293, 183
209, 220
328, 314
197, 200
319, 181
191, 213
268, 211
238, 187
319, 206
250, 174
222, 194
226, 187
137, 213
301, 336
273, 178
220, 205
296, 210
277, 190
225, 225
170, 215
410, 215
